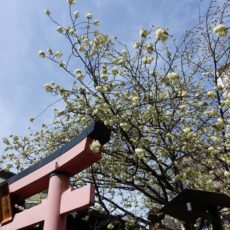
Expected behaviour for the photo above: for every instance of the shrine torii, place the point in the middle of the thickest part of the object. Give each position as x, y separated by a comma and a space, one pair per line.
53, 172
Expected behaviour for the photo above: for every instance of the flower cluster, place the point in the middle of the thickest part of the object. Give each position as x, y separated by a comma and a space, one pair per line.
136, 45
41, 54
76, 14
95, 146
221, 30
48, 87
173, 76
143, 33
139, 152
110, 226
60, 29
211, 94
58, 54
88, 16
161, 35
147, 60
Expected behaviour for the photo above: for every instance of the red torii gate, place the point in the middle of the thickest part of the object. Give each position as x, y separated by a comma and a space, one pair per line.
53, 172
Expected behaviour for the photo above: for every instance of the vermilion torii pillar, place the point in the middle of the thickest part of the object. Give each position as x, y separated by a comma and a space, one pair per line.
58, 184
53, 172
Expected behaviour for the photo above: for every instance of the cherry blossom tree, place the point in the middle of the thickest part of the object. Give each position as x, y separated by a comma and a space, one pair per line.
164, 100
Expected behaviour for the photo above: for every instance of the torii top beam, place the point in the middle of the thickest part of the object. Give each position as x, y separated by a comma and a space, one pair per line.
72, 158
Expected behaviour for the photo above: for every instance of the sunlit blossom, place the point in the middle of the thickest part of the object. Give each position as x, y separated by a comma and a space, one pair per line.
124, 125
76, 14
173, 76
221, 30
95, 146
47, 87
88, 16
124, 52
149, 48
139, 151
220, 120
211, 112
41, 54
220, 84
136, 45
121, 61
99, 88
187, 130
96, 22
60, 29
147, 60
58, 54
135, 99
161, 34
110, 226
143, 33
115, 71
211, 94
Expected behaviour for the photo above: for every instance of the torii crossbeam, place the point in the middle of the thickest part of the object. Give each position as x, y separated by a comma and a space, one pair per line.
53, 172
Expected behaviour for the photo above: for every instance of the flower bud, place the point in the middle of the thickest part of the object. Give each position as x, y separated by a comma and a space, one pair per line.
47, 12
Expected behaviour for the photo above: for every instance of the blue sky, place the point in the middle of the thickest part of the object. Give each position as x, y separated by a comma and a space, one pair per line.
25, 30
